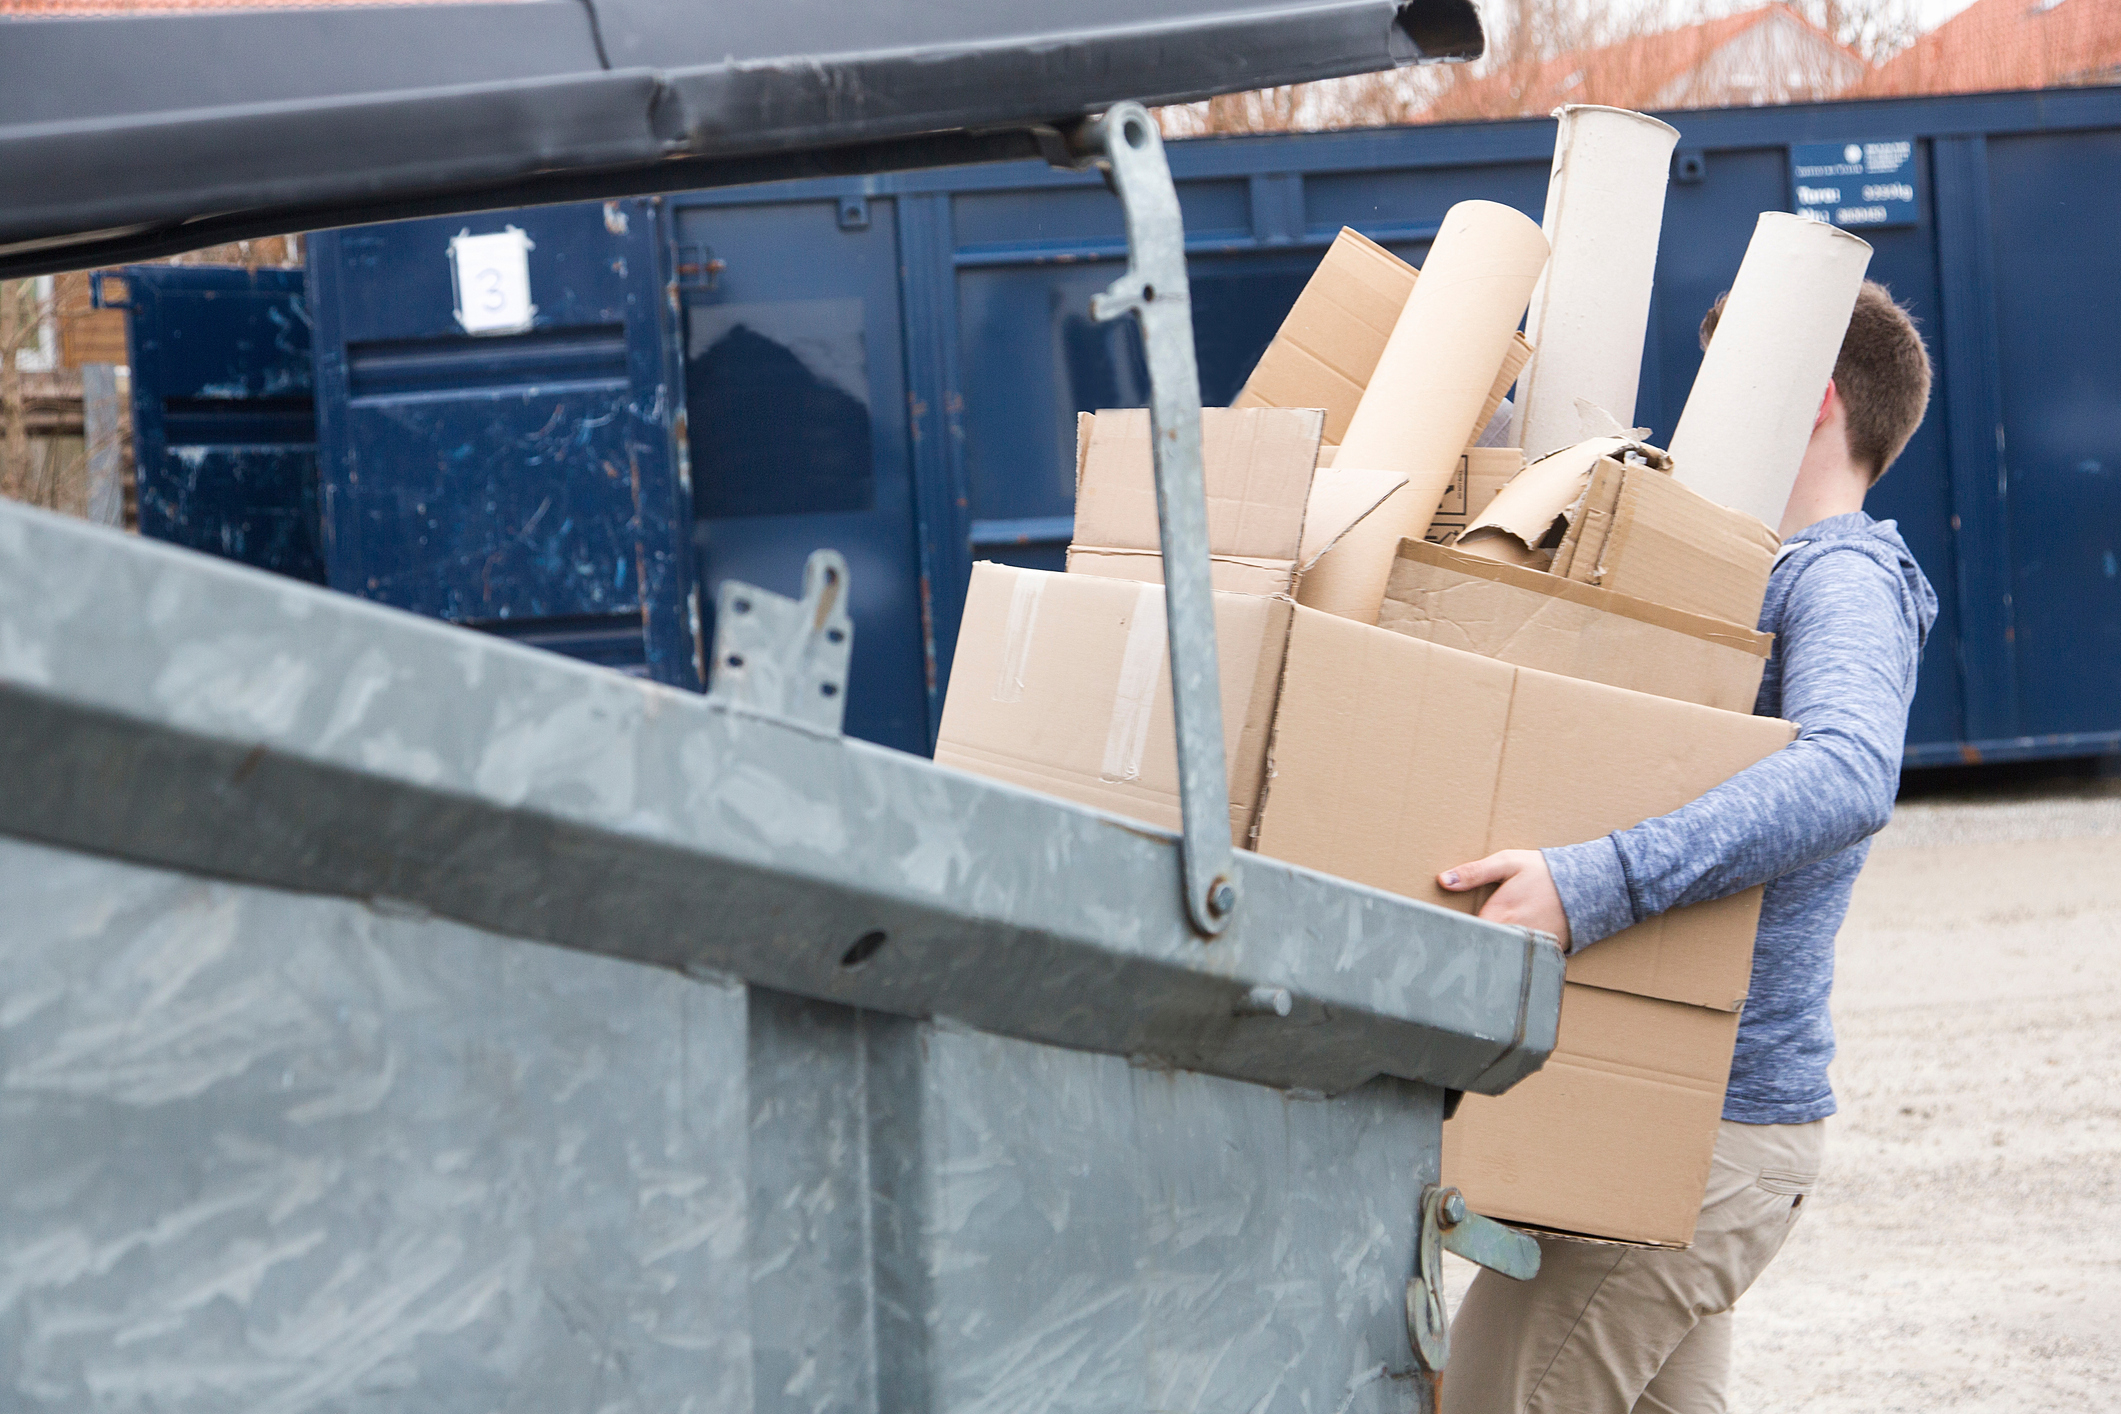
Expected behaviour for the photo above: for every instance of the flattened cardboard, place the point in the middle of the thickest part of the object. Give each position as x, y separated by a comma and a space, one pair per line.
1330, 343
1271, 513
1537, 620
1061, 685
1642, 533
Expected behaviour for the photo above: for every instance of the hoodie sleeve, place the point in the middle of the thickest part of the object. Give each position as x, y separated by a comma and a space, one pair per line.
1849, 647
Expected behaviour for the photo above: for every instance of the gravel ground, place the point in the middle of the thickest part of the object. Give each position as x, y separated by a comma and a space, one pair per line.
1964, 1251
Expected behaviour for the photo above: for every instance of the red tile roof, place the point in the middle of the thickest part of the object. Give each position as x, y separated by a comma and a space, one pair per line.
1631, 74
2006, 44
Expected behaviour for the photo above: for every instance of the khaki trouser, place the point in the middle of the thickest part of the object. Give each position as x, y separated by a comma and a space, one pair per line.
1630, 1330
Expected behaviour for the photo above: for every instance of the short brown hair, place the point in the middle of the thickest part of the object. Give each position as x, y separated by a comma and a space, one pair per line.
1883, 374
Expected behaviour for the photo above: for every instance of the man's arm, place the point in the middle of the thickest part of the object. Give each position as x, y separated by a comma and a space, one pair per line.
1848, 656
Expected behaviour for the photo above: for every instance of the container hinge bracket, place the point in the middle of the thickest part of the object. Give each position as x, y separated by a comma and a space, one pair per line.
1126, 145
783, 657
1448, 1225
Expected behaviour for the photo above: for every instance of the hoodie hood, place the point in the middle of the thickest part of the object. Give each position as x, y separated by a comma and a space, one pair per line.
1880, 540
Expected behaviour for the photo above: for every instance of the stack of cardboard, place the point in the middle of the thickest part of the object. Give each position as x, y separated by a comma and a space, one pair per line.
1385, 753
1562, 651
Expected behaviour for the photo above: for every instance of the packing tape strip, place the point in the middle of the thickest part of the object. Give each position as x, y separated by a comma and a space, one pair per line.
1016, 639
1141, 672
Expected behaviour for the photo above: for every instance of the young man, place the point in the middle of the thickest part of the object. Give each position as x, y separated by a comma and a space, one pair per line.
1607, 1330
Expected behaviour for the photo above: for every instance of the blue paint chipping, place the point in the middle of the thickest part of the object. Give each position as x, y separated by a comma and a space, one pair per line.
224, 429
553, 432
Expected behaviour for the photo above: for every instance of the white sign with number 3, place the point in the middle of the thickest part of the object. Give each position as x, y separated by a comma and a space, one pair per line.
492, 276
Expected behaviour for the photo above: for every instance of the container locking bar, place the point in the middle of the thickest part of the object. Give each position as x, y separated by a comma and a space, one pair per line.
1125, 142
1448, 1225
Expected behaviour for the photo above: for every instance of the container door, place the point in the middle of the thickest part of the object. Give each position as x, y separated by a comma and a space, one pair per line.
496, 405
2052, 202
796, 395
224, 432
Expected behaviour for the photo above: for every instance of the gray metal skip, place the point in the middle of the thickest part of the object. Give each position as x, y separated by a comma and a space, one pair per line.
300, 1108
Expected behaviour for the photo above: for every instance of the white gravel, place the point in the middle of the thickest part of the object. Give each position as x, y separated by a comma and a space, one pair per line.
1964, 1251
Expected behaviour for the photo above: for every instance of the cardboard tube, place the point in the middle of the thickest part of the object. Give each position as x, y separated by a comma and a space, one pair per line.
1744, 429
1605, 207
1423, 402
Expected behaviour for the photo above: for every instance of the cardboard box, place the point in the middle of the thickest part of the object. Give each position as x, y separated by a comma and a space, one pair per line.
1482, 473
1271, 510
1384, 758
1061, 683
1525, 521
1640, 532
1556, 625
1329, 345
1613, 1138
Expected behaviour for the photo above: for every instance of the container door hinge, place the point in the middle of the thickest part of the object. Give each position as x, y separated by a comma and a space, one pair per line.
1448, 1225
783, 657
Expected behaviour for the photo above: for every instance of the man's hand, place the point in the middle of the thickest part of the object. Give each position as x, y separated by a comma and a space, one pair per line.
1527, 897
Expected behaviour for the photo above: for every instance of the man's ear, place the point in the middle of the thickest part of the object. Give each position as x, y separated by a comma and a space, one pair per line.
1826, 406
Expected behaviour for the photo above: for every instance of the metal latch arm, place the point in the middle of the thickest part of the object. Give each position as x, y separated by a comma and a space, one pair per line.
1154, 290
1448, 1225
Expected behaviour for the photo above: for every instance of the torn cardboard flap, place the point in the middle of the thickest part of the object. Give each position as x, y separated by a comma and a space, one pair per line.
1594, 421
1645, 534
1537, 620
1340, 496
1526, 512
1330, 343
1481, 475
1271, 512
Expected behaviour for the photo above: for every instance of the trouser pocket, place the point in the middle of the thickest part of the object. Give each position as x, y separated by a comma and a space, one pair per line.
1785, 1184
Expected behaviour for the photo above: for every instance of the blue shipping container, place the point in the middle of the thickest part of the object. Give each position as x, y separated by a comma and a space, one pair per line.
892, 366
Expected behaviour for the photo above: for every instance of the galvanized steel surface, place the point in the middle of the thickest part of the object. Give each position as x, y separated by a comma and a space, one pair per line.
173, 709
279, 1152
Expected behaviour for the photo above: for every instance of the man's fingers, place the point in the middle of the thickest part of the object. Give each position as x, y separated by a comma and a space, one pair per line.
1492, 870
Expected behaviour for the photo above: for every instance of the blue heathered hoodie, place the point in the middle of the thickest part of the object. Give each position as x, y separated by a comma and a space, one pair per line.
1850, 611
